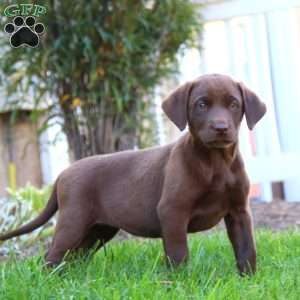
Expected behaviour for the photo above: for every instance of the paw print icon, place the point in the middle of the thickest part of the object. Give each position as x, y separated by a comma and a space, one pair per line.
24, 32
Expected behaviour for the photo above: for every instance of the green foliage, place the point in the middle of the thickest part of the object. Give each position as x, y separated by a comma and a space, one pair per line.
102, 59
21, 207
37, 198
135, 269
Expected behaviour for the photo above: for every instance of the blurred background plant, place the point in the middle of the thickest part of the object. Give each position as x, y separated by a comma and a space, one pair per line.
21, 206
36, 198
98, 63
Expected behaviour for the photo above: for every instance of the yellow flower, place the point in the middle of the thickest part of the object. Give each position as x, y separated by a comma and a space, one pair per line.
100, 72
65, 97
76, 102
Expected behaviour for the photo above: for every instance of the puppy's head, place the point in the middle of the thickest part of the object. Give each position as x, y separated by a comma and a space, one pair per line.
213, 107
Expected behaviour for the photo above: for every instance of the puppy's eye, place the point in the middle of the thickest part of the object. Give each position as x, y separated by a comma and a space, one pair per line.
234, 105
202, 105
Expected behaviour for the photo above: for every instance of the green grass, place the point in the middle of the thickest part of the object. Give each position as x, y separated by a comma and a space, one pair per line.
135, 269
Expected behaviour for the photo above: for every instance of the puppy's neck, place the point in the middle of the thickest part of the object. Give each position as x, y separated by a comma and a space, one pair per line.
210, 163
212, 155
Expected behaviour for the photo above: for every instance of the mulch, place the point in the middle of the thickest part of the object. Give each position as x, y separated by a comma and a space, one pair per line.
276, 215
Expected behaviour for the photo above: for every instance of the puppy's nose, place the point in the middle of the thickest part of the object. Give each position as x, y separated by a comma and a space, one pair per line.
220, 126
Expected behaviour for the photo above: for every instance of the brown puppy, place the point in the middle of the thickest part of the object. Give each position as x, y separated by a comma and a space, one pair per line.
168, 191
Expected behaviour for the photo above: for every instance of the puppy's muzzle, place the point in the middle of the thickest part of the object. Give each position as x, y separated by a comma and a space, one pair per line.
220, 134
220, 127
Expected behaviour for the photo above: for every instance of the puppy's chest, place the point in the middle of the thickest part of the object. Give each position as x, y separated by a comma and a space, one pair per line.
215, 191
212, 204
219, 181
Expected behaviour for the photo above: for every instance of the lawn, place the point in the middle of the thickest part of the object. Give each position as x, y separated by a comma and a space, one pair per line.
135, 269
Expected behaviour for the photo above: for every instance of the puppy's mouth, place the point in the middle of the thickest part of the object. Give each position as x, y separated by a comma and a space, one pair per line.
219, 143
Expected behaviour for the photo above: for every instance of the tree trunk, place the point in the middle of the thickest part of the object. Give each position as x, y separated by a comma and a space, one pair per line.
95, 128
109, 134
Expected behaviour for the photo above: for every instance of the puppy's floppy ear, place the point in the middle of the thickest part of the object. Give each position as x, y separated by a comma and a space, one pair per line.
175, 105
253, 106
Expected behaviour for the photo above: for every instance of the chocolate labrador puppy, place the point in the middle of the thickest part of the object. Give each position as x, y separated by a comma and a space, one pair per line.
167, 191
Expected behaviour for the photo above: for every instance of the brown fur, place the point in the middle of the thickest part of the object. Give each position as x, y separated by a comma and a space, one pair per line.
167, 191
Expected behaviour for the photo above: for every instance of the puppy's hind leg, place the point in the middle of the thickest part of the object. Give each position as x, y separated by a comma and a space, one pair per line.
98, 236
69, 234
77, 240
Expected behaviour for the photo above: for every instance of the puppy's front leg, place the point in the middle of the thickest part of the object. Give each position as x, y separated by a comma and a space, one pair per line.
239, 228
174, 234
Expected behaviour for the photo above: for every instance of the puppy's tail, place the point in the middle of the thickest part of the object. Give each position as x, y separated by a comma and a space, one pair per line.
40, 220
